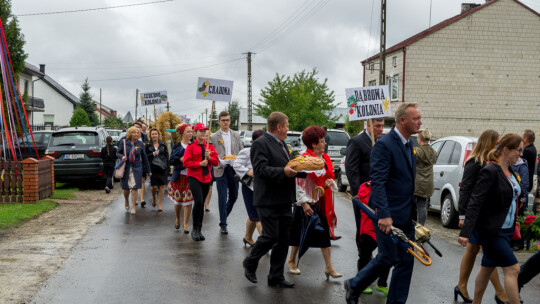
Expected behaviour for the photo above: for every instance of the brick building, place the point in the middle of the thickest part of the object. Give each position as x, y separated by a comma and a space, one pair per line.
475, 71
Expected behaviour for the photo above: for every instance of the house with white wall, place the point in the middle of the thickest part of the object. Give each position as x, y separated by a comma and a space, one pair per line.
53, 104
475, 71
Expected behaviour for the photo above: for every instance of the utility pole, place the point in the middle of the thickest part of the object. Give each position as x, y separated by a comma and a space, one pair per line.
136, 102
250, 103
383, 44
100, 107
206, 116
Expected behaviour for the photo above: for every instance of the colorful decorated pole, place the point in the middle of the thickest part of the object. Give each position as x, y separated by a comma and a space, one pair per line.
14, 126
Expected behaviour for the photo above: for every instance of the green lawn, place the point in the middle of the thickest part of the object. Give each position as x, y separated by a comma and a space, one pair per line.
63, 191
12, 215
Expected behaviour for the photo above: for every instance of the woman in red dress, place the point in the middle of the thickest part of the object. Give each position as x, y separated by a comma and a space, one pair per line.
309, 201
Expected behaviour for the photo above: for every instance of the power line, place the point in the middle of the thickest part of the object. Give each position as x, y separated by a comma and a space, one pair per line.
91, 9
159, 74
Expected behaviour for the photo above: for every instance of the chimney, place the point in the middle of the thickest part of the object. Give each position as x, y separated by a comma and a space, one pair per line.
465, 7
42, 68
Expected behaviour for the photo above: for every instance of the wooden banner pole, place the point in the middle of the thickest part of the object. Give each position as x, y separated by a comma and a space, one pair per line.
370, 122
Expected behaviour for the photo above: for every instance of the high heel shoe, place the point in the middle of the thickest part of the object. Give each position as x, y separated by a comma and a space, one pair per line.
293, 269
458, 292
499, 301
247, 243
334, 274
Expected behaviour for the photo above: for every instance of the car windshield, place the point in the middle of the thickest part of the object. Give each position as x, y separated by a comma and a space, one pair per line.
77, 138
337, 138
292, 139
114, 132
248, 134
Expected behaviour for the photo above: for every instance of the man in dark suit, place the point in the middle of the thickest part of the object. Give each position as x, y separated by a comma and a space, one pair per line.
529, 154
357, 167
274, 191
393, 169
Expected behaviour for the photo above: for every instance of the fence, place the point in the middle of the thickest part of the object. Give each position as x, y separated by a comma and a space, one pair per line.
42, 127
27, 181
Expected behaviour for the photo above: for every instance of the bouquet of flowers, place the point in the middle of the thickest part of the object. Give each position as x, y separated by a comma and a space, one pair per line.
530, 226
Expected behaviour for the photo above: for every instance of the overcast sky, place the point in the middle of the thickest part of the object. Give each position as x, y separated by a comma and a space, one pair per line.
119, 49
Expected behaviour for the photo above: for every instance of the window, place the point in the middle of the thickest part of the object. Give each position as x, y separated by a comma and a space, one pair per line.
437, 145
75, 138
445, 153
372, 83
26, 87
372, 67
48, 119
456, 155
337, 138
393, 87
394, 61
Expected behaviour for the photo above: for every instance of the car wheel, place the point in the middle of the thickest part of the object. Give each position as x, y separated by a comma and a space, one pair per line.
449, 215
341, 187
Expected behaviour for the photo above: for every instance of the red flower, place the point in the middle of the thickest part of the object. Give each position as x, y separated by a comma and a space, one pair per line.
529, 219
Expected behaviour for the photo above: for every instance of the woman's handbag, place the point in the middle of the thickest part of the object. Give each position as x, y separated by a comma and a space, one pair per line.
246, 180
159, 162
517, 232
119, 173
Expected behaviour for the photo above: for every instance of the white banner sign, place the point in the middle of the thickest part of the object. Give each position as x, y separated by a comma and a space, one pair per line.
368, 102
153, 98
214, 89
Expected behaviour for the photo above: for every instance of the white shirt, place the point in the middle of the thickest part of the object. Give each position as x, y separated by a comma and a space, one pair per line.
403, 140
184, 172
226, 141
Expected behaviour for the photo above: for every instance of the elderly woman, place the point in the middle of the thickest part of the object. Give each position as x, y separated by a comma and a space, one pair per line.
244, 170
307, 205
491, 215
423, 184
131, 151
179, 190
158, 157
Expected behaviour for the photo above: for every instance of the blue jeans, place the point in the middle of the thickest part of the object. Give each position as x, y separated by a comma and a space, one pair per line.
224, 183
390, 254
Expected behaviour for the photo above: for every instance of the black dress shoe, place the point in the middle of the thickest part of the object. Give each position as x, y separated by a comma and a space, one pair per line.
499, 301
283, 283
337, 237
250, 274
224, 230
143, 204
349, 297
465, 299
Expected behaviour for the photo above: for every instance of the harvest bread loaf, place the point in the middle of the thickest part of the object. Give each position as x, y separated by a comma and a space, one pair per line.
306, 163
229, 157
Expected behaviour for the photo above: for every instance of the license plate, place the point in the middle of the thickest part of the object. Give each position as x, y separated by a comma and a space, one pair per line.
73, 156
333, 152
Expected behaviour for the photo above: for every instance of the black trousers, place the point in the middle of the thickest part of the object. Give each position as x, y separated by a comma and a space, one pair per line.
368, 246
276, 225
109, 172
529, 270
199, 191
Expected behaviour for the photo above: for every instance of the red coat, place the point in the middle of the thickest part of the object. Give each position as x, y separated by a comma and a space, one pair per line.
193, 157
366, 224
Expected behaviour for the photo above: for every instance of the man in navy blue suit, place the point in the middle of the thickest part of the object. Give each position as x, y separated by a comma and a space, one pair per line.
393, 169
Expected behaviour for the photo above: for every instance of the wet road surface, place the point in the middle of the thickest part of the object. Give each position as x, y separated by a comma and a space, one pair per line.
142, 259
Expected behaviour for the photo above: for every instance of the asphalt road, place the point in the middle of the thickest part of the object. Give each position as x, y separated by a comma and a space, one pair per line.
143, 259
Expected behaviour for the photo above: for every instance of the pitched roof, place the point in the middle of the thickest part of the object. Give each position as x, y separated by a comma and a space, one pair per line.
440, 26
32, 70
128, 118
53, 84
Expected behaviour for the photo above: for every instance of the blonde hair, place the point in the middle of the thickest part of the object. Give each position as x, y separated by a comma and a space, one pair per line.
424, 134
486, 142
402, 110
130, 131
509, 141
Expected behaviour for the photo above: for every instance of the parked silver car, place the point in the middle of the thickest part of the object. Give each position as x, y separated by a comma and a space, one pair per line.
245, 136
341, 175
452, 152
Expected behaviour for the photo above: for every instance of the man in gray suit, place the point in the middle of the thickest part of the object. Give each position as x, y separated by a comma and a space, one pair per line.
226, 142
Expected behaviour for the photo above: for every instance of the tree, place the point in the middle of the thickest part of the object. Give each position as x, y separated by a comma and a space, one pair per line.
87, 104
304, 99
353, 127
113, 122
14, 36
79, 118
234, 112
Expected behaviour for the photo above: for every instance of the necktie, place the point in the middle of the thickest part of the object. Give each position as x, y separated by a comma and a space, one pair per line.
408, 151
205, 168
284, 150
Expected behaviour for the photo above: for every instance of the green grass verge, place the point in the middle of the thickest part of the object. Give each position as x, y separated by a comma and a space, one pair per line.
63, 191
13, 215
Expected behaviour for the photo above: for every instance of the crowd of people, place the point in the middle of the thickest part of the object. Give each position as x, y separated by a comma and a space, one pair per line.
386, 173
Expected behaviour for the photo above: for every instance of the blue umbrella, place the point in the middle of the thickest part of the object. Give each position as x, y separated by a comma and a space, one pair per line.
311, 228
399, 237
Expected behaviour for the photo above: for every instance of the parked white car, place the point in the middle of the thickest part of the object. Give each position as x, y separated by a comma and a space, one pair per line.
452, 152
341, 176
